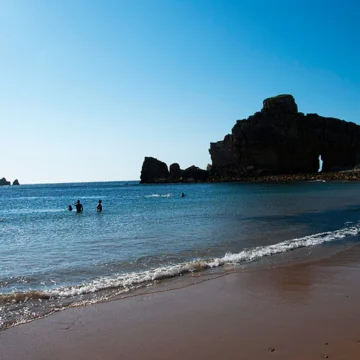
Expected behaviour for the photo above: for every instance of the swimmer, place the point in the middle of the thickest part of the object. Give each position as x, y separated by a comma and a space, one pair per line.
182, 194
99, 206
79, 207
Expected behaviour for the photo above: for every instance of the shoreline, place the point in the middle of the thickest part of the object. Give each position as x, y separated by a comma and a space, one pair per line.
252, 177
347, 175
20, 308
306, 310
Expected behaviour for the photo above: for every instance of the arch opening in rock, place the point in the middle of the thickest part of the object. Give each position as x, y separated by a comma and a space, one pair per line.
320, 163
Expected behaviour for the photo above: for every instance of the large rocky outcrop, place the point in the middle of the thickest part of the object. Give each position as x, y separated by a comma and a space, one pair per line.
156, 171
3, 182
16, 182
280, 140
153, 170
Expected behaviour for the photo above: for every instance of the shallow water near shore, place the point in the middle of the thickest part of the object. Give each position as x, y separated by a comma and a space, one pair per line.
52, 258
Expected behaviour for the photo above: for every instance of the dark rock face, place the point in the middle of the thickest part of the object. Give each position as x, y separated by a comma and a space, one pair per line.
280, 140
280, 104
194, 173
153, 170
3, 181
16, 182
175, 172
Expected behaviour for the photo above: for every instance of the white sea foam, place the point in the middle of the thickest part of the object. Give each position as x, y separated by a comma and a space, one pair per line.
131, 280
158, 196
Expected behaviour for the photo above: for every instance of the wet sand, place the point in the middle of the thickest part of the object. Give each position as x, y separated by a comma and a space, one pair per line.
303, 311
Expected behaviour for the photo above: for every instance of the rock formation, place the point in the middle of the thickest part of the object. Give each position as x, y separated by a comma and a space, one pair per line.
193, 173
3, 182
280, 140
175, 171
156, 171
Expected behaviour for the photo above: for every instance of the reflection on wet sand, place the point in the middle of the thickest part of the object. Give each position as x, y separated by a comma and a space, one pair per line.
304, 282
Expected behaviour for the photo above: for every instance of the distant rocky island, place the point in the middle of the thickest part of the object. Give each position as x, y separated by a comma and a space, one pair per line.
277, 143
3, 182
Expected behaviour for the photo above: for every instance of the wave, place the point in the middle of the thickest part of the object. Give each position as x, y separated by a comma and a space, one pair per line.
158, 196
31, 211
23, 297
129, 281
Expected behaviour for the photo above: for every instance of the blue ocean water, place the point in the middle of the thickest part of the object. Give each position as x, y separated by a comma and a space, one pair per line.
52, 258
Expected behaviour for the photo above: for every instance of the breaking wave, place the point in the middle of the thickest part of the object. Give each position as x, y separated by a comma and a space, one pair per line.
158, 196
131, 280
23, 297
21, 307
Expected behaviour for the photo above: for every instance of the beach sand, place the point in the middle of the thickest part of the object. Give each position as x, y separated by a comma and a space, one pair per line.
302, 311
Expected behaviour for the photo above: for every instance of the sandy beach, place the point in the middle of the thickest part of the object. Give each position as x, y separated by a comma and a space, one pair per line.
302, 311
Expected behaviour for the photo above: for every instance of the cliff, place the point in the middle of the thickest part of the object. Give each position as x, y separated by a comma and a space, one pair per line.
278, 143
281, 140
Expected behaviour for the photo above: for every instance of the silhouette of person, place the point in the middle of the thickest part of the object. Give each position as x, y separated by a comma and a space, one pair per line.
182, 194
79, 207
70, 208
99, 206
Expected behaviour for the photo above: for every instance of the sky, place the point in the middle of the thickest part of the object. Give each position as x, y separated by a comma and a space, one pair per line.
89, 88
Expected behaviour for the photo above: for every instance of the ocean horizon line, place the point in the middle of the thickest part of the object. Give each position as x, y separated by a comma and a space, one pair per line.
78, 182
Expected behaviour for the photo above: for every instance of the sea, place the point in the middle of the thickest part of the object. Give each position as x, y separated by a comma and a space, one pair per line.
149, 238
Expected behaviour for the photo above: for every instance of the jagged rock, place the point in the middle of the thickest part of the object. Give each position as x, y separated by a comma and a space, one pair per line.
175, 172
16, 182
156, 171
280, 104
3, 182
153, 170
193, 173
280, 140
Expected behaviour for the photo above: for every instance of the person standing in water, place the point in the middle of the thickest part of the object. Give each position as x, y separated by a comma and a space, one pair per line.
70, 208
99, 206
79, 207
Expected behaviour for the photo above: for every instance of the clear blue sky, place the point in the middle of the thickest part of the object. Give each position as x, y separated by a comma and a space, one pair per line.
89, 88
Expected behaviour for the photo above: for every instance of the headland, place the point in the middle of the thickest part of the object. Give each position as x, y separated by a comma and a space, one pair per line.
277, 144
